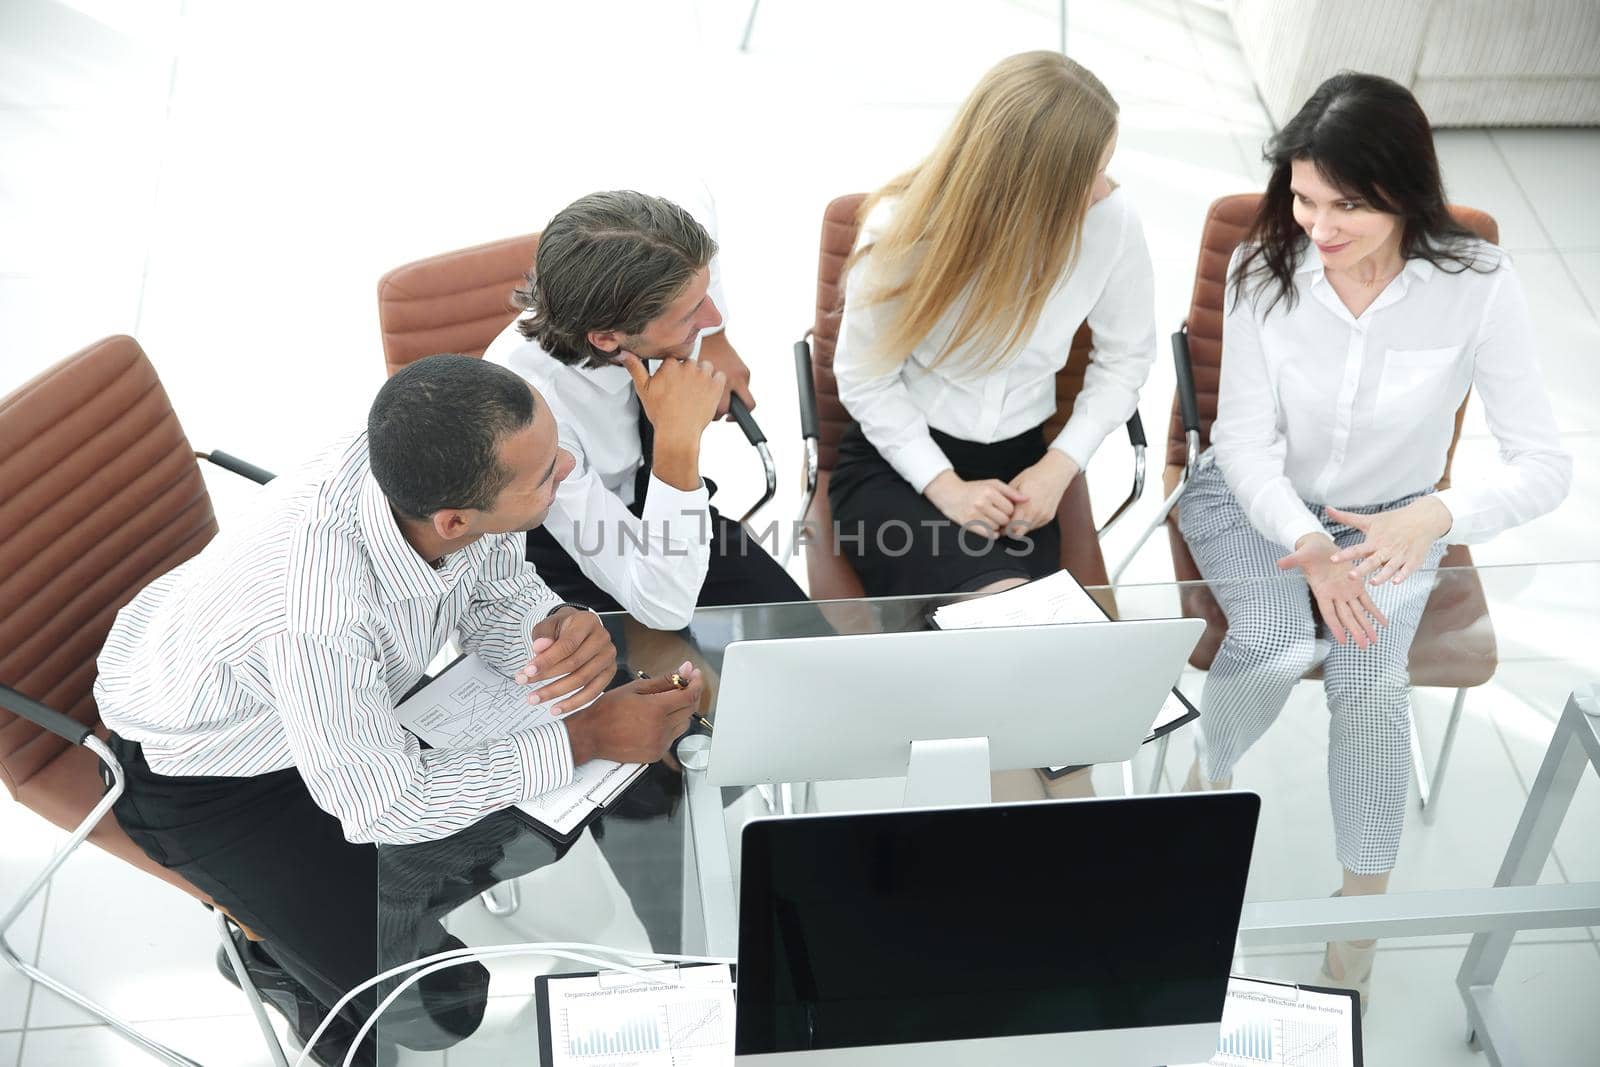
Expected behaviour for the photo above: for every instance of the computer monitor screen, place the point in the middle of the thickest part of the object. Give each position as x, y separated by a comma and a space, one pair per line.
941, 925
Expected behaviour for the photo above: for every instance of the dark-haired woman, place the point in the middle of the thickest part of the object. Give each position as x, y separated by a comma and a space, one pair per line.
1359, 314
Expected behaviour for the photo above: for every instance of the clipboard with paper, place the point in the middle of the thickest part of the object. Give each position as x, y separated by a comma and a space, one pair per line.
1055, 598
619, 1020
470, 702
1267, 1023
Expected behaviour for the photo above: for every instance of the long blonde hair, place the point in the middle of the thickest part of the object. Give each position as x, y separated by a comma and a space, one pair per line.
994, 215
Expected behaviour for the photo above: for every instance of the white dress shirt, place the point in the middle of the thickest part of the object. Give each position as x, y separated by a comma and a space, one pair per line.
1111, 285
598, 415
1319, 405
288, 640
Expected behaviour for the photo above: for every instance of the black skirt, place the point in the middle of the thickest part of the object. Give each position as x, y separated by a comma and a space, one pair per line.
901, 545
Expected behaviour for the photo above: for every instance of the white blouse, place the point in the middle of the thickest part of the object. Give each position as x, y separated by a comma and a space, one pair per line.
1112, 286
1318, 405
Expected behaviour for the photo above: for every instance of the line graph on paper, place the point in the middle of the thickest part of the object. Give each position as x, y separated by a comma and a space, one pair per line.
1308, 1044
696, 1024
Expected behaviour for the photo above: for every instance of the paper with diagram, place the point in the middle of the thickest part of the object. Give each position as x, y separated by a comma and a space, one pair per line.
621, 1020
470, 702
1268, 1023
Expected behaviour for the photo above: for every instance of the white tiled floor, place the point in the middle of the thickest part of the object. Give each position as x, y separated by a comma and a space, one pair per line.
227, 182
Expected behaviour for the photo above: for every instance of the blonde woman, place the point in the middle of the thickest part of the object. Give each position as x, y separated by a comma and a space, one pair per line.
972, 274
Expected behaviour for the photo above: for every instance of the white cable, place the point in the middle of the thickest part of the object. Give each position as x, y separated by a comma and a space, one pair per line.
474, 955
560, 949
463, 952
657, 978
465, 955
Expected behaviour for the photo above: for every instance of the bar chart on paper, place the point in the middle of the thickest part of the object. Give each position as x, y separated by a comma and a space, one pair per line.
608, 1036
615, 1021
599, 1032
1267, 1023
1280, 1041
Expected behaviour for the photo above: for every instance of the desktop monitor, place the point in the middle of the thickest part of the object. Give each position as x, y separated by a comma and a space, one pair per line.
957, 702
1046, 933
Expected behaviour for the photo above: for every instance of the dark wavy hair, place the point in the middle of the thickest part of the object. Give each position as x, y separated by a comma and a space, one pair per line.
608, 261
1368, 137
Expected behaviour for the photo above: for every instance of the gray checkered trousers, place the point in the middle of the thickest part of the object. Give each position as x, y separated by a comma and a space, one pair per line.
1271, 643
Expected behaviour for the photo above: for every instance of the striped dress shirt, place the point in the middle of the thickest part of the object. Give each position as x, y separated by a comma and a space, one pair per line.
289, 639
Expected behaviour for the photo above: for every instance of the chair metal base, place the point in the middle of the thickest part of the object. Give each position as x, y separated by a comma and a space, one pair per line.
66, 992
501, 909
257, 1008
1428, 787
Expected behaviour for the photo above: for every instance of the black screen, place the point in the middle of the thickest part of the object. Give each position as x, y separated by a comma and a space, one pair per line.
928, 925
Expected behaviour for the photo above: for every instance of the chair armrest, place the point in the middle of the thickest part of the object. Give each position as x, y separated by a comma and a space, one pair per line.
807, 388
747, 422
66, 728
1136, 439
1136, 431
752, 432
238, 466
1188, 403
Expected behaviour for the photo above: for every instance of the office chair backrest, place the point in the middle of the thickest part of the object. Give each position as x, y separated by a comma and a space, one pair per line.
838, 240
99, 495
830, 575
1227, 222
455, 302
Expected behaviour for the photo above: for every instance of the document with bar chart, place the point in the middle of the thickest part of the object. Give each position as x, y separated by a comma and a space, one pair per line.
615, 1019
1269, 1023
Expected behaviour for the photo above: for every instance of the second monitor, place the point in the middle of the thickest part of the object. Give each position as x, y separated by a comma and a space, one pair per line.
943, 707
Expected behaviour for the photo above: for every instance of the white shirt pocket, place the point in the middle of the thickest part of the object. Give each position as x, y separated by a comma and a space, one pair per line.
1417, 383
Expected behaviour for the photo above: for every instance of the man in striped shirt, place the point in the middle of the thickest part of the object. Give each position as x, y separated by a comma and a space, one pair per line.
251, 690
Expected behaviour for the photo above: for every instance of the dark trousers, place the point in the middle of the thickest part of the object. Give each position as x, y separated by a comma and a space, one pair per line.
901, 545
647, 858
740, 571
264, 849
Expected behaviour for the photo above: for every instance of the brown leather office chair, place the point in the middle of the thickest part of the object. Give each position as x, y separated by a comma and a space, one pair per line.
460, 301
455, 302
1455, 646
823, 420
99, 495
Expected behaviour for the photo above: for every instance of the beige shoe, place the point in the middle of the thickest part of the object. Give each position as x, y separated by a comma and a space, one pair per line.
1348, 965
1353, 961
1197, 784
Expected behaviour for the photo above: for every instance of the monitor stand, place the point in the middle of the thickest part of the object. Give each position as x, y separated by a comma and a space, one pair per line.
951, 772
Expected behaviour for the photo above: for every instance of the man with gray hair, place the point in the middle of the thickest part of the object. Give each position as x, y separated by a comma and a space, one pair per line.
622, 310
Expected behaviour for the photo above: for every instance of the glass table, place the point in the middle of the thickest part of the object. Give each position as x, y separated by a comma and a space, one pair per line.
1499, 652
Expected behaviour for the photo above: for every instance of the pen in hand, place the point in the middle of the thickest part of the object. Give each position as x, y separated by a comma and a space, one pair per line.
680, 682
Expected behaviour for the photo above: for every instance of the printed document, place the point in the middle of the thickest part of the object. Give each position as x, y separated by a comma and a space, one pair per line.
470, 702
616, 1019
1268, 1023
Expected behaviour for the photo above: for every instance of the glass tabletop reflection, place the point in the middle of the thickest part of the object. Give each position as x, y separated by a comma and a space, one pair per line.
1497, 653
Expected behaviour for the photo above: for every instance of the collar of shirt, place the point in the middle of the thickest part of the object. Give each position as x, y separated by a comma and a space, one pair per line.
1392, 293
610, 379
402, 573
